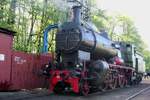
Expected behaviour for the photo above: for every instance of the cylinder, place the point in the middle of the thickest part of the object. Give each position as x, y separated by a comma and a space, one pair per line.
101, 69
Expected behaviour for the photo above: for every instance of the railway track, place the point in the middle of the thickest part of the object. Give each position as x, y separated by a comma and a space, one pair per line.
115, 94
15, 97
138, 93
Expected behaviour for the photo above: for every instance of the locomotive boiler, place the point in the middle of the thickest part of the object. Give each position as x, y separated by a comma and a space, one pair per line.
87, 59
75, 38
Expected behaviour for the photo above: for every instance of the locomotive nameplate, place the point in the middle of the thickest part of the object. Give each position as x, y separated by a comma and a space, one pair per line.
2, 57
84, 55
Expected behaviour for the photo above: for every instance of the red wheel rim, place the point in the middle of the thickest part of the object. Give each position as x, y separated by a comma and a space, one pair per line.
85, 89
113, 85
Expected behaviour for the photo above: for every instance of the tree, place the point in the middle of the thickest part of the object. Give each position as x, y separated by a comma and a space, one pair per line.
12, 11
147, 59
29, 18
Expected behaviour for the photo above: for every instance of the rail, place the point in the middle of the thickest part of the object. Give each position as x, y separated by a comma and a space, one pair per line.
138, 93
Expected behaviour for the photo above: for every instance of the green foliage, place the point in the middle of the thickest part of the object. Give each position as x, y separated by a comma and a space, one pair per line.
31, 18
4, 14
147, 59
99, 19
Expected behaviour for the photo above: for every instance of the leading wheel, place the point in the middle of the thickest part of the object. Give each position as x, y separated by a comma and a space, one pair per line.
121, 82
104, 87
84, 88
113, 84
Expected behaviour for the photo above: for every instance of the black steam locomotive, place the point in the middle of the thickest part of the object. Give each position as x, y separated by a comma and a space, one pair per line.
87, 60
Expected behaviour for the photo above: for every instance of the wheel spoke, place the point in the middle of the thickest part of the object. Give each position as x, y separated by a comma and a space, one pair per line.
84, 88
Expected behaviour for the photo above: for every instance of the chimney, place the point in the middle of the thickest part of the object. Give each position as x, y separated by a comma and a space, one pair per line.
77, 14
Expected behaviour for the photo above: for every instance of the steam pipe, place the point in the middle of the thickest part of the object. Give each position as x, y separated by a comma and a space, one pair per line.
45, 38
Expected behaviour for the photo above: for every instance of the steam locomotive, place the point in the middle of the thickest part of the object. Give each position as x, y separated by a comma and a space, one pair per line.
87, 60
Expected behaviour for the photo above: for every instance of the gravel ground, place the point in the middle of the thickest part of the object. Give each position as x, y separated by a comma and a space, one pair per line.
117, 94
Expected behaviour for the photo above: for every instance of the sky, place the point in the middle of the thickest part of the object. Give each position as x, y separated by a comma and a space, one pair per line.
138, 10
